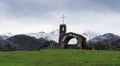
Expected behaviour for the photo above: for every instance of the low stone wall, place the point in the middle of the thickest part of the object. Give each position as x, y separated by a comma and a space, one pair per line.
72, 46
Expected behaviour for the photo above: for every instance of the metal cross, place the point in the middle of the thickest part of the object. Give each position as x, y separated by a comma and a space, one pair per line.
63, 18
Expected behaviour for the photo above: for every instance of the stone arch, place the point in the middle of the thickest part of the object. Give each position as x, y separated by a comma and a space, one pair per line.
81, 41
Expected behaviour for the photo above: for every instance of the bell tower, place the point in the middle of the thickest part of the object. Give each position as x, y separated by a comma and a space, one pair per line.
62, 30
65, 37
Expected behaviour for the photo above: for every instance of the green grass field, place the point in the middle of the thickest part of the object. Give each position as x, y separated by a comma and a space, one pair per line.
60, 57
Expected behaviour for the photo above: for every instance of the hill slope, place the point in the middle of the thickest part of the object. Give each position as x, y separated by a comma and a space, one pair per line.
24, 42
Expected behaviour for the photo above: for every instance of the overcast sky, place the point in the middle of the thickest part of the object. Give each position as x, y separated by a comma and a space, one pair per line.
24, 16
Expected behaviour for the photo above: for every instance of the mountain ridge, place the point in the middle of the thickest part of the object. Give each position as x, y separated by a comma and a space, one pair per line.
54, 35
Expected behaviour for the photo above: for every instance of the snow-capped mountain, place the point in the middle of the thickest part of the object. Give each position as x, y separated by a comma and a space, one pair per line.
89, 35
108, 37
53, 35
8, 34
5, 36
38, 35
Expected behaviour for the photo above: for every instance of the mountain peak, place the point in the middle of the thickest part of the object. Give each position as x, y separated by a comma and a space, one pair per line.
104, 38
89, 34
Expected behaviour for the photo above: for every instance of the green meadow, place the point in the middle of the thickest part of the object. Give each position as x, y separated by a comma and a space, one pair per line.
60, 57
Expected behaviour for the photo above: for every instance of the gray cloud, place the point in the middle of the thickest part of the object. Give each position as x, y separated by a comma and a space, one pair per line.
80, 12
37, 8
112, 5
22, 8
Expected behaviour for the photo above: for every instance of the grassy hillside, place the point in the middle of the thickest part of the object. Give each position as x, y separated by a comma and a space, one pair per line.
60, 57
